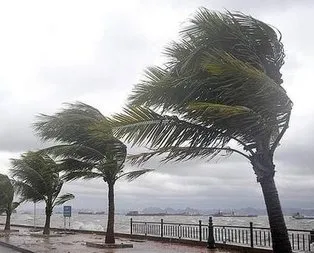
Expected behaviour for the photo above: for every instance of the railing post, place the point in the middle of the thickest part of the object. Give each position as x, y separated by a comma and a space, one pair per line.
251, 235
179, 231
131, 226
312, 236
200, 229
145, 228
210, 239
311, 239
162, 228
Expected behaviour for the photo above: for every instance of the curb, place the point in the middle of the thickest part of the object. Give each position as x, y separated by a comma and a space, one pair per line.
19, 249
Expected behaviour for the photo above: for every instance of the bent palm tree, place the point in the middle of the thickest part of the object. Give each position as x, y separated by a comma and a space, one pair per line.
88, 151
220, 87
6, 199
37, 178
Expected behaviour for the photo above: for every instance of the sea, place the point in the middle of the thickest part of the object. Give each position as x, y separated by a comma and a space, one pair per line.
98, 222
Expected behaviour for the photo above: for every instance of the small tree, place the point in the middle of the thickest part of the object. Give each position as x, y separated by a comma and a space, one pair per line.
88, 150
37, 178
220, 92
6, 199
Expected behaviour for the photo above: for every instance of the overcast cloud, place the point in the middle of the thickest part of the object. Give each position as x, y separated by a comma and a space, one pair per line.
95, 51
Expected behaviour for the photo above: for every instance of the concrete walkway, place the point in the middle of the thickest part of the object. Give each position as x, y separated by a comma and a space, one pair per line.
74, 243
6, 250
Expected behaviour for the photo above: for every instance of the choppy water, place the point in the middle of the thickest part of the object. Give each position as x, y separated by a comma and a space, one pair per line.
122, 222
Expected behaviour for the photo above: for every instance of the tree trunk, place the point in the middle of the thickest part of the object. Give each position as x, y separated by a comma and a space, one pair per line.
280, 238
110, 224
47, 222
264, 169
8, 221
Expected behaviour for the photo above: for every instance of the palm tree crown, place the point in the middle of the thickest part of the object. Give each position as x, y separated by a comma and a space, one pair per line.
221, 83
6, 190
37, 178
88, 147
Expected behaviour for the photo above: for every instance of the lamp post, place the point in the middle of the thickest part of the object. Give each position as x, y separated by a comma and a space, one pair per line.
210, 239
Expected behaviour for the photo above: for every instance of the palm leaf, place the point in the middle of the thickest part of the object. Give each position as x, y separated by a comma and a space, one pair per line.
63, 198
74, 124
15, 205
77, 174
27, 192
23, 172
182, 153
75, 151
241, 35
135, 174
143, 126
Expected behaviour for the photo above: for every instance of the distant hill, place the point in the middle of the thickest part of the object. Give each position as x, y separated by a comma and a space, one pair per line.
241, 211
152, 210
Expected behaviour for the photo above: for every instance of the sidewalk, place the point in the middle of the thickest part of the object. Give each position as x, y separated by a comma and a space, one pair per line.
74, 243
6, 250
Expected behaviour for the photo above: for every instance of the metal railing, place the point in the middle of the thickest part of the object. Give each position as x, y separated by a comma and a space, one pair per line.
301, 240
170, 230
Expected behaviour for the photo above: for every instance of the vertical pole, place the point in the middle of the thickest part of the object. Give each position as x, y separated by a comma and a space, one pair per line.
64, 223
69, 222
179, 231
162, 228
251, 235
34, 214
311, 239
200, 229
131, 226
211, 239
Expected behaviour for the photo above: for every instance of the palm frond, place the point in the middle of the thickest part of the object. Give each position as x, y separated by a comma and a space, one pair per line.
217, 111
28, 193
140, 125
239, 120
6, 190
34, 169
74, 124
72, 164
245, 37
130, 176
56, 187
75, 151
152, 88
63, 198
77, 174
36, 177
183, 154
15, 205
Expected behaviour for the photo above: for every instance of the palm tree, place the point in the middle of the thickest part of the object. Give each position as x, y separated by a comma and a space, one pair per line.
6, 199
37, 178
88, 150
220, 92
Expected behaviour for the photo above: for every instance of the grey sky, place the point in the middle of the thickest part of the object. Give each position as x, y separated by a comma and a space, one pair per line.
95, 51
